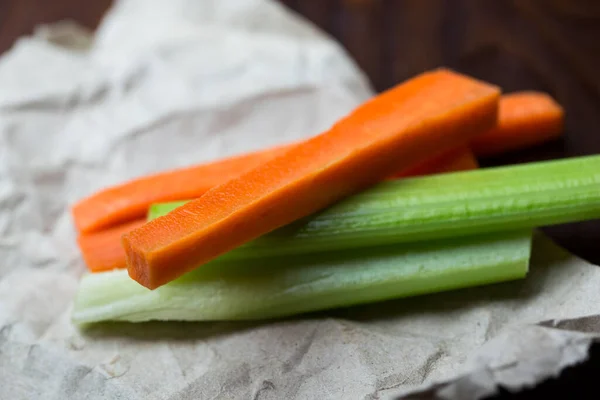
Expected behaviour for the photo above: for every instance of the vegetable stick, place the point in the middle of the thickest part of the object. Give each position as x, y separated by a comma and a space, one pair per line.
130, 200
103, 251
268, 288
441, 206
396, 129
524, 119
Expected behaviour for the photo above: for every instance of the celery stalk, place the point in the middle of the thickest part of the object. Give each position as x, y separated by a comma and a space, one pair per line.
276, 287
159, 209
449, 205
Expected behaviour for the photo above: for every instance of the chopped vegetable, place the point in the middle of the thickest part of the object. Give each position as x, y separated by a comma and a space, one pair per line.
401, 127
524, 119
455, 160
433, 207
130, 201
102, 251
269, 288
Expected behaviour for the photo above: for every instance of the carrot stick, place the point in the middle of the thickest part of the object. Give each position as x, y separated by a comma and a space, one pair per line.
396, 129
131, 200
524, 119
102, 251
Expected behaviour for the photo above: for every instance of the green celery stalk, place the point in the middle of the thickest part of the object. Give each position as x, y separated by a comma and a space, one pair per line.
276, 287
434, 207
159, 209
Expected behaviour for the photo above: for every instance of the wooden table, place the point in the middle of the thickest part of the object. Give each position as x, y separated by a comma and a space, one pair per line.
551, 45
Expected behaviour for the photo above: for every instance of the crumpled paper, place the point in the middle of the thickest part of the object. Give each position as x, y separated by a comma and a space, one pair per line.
166, 84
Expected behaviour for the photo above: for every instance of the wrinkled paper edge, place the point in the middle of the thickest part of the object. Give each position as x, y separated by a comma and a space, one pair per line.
561, 349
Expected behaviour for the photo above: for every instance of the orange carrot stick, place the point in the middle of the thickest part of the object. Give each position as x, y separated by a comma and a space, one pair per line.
423, 116
131, 200
102, 250
524, 119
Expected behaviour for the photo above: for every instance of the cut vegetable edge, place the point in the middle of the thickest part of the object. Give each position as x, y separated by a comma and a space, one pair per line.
102, 251
279, 287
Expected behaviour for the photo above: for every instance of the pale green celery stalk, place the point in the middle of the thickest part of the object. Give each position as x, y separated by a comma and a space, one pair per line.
276, 287
449, 205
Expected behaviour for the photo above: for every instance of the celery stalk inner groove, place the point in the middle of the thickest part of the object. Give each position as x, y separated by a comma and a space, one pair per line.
277, 287
435, 207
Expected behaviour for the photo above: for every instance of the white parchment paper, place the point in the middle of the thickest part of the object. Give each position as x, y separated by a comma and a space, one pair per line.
167, 84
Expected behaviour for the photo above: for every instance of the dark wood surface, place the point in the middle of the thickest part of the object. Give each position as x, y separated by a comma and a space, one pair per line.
551, 45
19, 17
